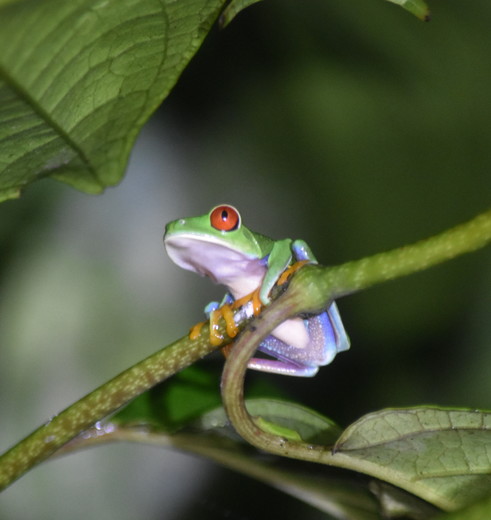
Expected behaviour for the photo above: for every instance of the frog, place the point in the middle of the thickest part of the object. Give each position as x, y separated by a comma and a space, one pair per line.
219, 246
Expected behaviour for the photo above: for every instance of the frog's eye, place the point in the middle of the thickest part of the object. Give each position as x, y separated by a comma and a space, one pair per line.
225, 218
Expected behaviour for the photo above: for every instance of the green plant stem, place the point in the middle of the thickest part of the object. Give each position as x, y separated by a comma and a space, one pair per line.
312, 289
321, 285
103, 401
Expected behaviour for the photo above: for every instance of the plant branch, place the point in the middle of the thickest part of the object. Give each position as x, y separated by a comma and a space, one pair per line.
313, 288
103, 401
320, 285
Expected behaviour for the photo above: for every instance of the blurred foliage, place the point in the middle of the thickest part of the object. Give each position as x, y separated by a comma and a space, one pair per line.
348, 124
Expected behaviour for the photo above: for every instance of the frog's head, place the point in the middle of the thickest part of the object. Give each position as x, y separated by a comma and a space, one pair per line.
211, 242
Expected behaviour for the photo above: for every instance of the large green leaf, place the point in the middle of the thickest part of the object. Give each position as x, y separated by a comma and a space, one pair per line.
443, 456
79, 78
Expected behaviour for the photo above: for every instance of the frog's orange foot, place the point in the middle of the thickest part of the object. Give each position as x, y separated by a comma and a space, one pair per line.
196, 330
228, 315
216, 337
252, 297
226, 312
291, 270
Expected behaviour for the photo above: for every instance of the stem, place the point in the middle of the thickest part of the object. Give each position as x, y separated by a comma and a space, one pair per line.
321, 285
232, 384
103, 401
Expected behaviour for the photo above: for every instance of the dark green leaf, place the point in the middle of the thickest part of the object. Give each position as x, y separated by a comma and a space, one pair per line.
174, 403
79, 78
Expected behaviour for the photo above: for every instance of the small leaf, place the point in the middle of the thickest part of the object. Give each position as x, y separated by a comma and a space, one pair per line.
440, 455
288, 417
277, 429
417, 7
174, 403
79, 78
233, 9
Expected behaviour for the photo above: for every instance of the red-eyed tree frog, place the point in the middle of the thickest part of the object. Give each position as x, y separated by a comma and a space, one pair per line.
219, 246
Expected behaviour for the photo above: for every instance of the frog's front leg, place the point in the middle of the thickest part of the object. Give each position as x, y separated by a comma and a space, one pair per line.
214, 311
277, 261
302, 254
225, 309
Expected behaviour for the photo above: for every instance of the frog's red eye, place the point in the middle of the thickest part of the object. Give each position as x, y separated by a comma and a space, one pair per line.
225, 218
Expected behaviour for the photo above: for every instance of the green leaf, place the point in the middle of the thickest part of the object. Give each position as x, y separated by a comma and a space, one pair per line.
309, 425
417, 7
278, 429
79, 78
440, 455
174, 403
